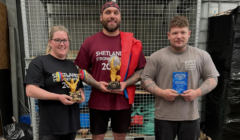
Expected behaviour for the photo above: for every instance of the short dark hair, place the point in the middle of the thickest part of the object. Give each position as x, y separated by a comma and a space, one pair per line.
179, 21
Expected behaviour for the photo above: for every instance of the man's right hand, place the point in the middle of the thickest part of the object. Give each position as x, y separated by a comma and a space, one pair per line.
65, 99
102, 86
169, 94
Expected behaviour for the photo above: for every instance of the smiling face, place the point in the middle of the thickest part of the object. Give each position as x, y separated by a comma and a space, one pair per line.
178, 38
179, 33
59, 49
110, 19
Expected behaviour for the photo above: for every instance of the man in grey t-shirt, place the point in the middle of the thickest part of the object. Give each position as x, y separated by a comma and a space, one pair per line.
177, 112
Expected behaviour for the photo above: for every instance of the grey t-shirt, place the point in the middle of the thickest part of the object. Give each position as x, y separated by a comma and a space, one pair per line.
160, 67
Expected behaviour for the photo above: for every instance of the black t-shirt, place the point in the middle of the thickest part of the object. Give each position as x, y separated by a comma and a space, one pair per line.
55, 117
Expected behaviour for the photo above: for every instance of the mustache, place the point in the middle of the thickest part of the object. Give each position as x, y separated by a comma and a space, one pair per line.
112, 19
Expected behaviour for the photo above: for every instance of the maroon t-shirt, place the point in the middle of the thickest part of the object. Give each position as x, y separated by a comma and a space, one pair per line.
93, 56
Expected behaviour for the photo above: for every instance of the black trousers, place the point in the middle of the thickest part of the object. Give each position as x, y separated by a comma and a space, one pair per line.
69, 136
120, 120
184, 130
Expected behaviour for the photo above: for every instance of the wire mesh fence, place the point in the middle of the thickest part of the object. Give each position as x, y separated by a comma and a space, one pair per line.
147, 19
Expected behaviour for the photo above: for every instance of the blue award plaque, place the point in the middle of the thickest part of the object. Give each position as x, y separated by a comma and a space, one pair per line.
180, 82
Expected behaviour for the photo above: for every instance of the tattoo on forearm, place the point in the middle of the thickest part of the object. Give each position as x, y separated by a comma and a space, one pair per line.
91, 81
134, 78
208, 85
150, 86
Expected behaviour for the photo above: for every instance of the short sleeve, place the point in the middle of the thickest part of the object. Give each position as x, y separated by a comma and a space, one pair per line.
150, 69
83, 59
141, 61
209, 70
35, 73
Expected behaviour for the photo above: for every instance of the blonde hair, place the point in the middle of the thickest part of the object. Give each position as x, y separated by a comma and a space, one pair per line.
51, 33
178, 21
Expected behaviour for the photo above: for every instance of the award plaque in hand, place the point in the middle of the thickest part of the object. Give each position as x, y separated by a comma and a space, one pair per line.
76, 95
180, 82
115, 64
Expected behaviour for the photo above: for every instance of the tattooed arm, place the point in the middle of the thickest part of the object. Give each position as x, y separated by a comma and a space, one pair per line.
102, 85
92, 82
130, 81
150, 86
208, 85
134, 78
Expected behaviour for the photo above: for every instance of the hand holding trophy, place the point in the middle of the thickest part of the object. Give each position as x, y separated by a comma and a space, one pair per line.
115, 64
76, 95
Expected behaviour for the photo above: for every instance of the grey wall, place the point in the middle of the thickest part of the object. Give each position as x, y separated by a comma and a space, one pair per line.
210, 8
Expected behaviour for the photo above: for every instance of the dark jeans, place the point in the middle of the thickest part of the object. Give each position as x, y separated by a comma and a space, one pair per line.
184, 130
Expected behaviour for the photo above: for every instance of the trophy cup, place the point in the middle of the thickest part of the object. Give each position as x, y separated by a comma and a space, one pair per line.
115, 64
76, 95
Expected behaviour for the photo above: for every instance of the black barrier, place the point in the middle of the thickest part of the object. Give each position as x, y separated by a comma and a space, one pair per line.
222, 112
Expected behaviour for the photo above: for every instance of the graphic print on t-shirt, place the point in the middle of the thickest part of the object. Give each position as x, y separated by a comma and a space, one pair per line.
103, 56
190, 65
68, 77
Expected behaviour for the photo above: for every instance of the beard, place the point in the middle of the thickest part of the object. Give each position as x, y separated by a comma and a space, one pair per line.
108, 28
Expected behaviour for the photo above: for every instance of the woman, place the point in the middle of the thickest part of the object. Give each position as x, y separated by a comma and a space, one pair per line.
59, 116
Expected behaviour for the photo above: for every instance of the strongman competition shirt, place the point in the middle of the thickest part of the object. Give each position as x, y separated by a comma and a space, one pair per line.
93, 57
55, 117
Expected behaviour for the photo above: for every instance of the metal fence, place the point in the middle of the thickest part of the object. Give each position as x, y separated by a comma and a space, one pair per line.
147, 19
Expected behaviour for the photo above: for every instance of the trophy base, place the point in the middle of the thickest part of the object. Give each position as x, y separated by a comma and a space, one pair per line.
76, 96
114, 85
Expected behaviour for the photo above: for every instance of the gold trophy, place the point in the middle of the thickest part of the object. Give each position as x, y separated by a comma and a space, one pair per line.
76, 95
115, 64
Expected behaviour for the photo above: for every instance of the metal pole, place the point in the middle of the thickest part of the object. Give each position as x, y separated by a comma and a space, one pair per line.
199, 5
25, 31
12, 45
